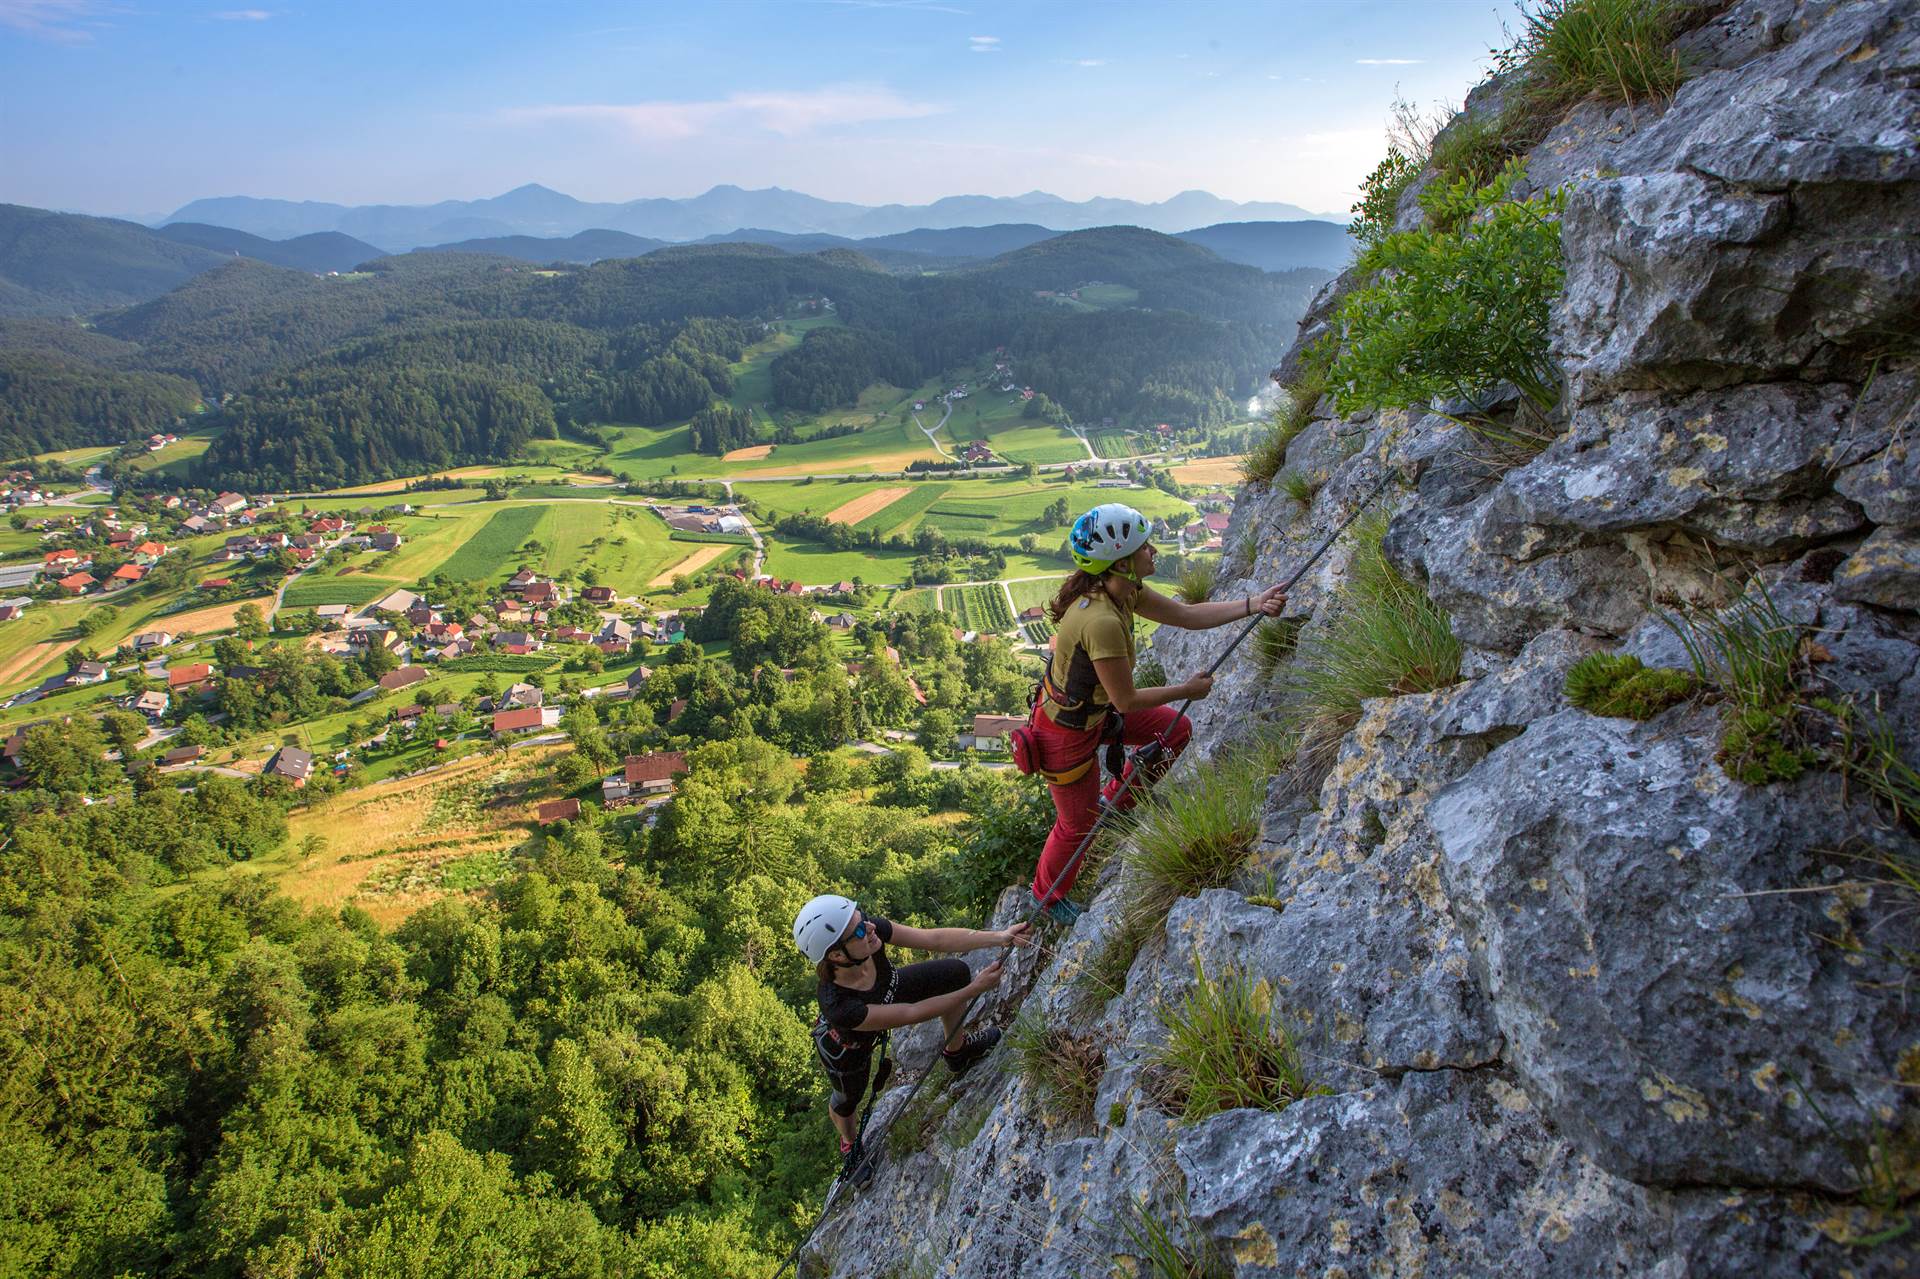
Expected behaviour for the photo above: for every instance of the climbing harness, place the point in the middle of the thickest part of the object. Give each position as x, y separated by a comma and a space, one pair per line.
1138, 769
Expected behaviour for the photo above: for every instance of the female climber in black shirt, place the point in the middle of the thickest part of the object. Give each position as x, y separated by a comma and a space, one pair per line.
862, 995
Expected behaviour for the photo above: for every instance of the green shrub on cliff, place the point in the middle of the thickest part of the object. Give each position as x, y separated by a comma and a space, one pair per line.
1457, 307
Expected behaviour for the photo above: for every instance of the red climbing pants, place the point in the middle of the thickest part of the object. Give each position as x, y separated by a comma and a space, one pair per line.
1076, 806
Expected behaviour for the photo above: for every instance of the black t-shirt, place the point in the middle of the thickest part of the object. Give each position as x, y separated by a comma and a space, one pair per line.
844, 1008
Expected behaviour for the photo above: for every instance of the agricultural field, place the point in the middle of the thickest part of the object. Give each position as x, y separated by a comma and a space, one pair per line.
816, 564
326, 586
1114, 444
897, 516
1211, 472
1037, 633
1035, 592
496, 542
978, 608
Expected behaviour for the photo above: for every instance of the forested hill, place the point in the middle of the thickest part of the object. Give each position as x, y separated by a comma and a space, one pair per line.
321, 251
68, 264
481, 353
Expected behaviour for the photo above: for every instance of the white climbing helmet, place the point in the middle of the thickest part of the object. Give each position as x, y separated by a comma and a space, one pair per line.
819, 924
1107, 534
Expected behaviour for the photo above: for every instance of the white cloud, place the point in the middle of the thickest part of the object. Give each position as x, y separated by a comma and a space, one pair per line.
789, 114
244, 15
983, 44
1388, 62
1085, 62
64, 21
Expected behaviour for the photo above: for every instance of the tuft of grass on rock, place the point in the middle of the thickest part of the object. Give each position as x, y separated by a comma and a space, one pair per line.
1180, 841
1227, 1048
1620, 685
1063, 1068
1156, 1248
1197, 580
1383, 637
1298, 485
1617, 50
1274, 641
1266, 458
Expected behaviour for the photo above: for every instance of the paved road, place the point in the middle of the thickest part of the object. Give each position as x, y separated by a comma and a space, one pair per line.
947, 405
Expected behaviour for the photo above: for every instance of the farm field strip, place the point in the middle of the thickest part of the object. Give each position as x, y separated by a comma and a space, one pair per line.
488, 550
310, 590
898, 513
1225, 471
1036, 592
689, 566
867, 504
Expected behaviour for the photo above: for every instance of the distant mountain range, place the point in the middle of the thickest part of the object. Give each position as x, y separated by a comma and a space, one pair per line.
71, 264
534, 210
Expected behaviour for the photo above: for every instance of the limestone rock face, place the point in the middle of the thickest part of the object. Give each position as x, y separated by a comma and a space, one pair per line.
1572, 1000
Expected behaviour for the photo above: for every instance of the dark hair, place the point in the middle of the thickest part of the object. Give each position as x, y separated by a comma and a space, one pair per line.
1078, 583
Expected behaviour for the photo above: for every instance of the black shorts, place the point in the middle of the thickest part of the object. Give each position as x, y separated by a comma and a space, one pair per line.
848, 1068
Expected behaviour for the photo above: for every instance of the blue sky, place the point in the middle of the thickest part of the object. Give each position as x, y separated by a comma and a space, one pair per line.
137, 106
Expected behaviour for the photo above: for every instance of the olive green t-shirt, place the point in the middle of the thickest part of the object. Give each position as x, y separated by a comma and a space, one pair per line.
1094, 629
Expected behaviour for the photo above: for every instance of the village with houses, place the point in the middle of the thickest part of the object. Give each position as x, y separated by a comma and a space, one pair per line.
333, 644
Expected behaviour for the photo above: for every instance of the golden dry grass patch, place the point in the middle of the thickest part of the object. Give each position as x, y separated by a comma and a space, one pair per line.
866, 504
749, 454
217, 617
692, 564
389, 827
1224, 471
28, 659
864, 465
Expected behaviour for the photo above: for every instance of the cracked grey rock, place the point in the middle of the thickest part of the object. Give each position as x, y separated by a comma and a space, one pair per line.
1665, 986
1455, 1173
1884, 572
1750, 467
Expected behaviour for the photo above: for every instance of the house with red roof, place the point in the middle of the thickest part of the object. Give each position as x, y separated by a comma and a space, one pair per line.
557, 810
77, 583
188, 679
525, 720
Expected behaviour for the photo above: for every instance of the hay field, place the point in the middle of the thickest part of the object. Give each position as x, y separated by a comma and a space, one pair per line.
751, 453
1222, 471
866, 504
692, 564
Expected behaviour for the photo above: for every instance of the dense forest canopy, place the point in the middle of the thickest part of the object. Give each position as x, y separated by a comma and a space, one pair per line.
428, 360
601, 1067
49, 403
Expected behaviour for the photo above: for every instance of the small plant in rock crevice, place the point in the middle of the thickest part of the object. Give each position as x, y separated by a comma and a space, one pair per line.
1299, 486
1196, 581
1064, 1068
1755, 658
1777, 724
1227, 1048
1159, 1252
1620, 685
1274, 641
1265, 459
1382, 637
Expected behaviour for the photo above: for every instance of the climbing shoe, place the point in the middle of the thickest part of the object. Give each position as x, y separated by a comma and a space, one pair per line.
1063, 912
977, 1045
856, 1169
